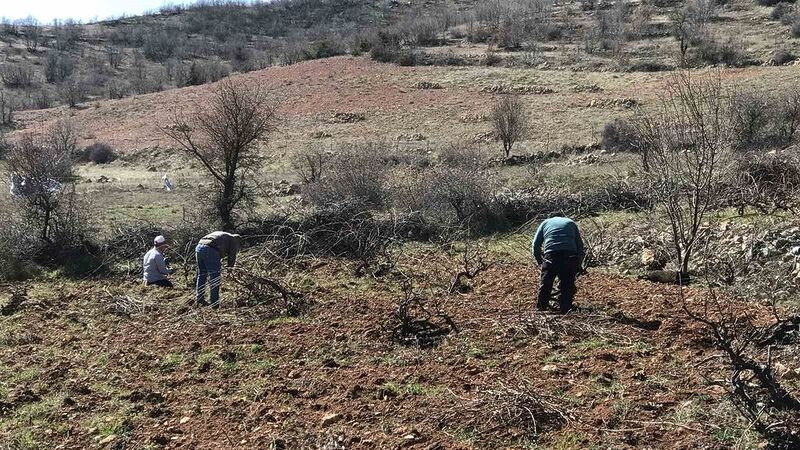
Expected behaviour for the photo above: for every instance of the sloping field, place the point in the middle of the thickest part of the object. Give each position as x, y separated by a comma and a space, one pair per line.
115, 365
392, 104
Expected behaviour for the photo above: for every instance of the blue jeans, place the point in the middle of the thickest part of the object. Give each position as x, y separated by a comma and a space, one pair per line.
209, 266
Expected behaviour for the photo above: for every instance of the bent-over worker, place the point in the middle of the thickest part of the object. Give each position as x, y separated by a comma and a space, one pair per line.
210, 251
558, 248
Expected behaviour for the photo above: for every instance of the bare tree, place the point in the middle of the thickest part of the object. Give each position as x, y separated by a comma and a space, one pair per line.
31, 32
686, 140
39, 171
224, 138
510, 121
114, 56
7, 108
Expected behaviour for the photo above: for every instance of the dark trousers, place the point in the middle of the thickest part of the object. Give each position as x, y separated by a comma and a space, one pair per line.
160, 283
564, 266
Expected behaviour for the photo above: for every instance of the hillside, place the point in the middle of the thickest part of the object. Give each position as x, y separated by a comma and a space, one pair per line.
385, 293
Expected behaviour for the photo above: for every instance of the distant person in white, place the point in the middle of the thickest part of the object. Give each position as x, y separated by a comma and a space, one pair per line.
168, 183
155, 265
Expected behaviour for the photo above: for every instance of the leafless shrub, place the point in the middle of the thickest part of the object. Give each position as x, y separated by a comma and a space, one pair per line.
17, 75
309, 164
58, 67
7, 108
419, 320
510, 121
517, 406
202, 72
763, 119
764, 183
620, 136
224, 138
43, 168
755, 388
160, 45
114, 56
354, 172
31, 32
72, 92
687, 141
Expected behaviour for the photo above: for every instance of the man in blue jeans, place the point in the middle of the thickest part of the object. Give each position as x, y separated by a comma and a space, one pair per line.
558, 248
210, 251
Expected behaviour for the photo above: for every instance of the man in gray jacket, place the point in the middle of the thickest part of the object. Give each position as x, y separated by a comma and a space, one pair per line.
210, 251
155, 264
558, 248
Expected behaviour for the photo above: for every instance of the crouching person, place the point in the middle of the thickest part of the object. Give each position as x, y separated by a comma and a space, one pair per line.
155, 264
558, 248
210, 251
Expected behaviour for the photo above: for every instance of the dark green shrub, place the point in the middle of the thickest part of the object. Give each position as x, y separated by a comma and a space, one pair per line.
99, 153
620, 136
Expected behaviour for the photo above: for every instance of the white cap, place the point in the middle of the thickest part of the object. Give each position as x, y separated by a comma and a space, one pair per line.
159, 240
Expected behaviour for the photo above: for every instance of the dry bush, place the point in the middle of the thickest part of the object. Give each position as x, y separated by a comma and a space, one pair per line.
764, 183
518, 406
58, 67
224, 139
47, 222
17, 76
7, 108
755, 387
43, 169
355, 172
72, 92
763, 119
510, 120
202, 72
309, 164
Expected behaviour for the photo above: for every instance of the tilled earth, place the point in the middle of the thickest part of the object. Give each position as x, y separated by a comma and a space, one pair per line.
111, 364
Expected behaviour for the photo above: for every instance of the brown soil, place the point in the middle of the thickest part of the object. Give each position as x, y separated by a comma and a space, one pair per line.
622, 369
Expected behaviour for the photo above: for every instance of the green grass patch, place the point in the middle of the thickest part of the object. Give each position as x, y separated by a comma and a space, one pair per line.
171, 362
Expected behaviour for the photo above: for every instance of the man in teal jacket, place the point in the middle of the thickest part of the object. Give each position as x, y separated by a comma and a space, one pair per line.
558, 248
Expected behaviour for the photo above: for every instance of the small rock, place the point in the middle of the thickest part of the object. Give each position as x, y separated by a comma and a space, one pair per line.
108, 439
185, 419
550, 368
329, 419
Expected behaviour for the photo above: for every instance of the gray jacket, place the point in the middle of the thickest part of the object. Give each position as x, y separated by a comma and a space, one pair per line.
226, 244
155, 266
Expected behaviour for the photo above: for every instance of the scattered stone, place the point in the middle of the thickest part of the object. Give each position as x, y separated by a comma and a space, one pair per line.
320, 135
549, 368
345, 117
473, 118
185, 419
426, 85
612, 103
108, 439
519, 90
586, 88
330, 419
416, 137
487, 136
